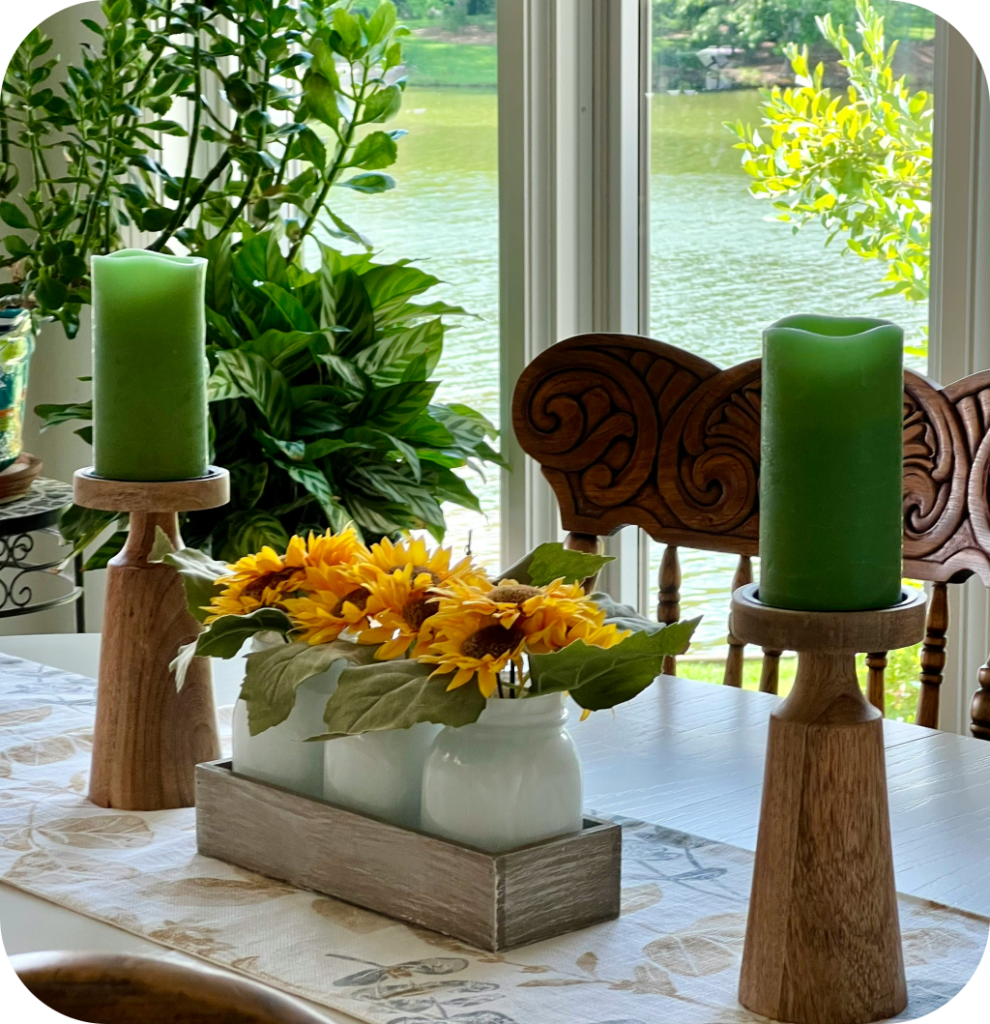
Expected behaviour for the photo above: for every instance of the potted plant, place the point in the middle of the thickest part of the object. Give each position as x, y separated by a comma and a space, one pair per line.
321, 398
443, 690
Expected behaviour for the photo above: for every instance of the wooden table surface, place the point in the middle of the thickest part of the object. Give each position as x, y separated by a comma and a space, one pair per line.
684, 754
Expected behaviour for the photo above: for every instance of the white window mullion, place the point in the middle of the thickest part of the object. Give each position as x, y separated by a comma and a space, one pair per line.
960, 309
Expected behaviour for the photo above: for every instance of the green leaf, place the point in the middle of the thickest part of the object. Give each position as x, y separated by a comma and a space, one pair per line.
311, 146
289, 306
240, 94
100, 558
375, 151
382, 105
321, 98
349, 30
14, 217
449, 486
224, 637
597, 678
199, 574
52, 415
246, 374
353, 310
17, 247
247, 483
273, 677
245, 532
81, 526
550, 562
391, 408
623, 615
381, 22
369, 183
397, 695
161, 547
51, 293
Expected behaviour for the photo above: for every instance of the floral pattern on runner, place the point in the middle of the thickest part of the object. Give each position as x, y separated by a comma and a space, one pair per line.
672, 956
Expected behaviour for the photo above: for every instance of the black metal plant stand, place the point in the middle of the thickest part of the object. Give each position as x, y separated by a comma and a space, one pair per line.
36, 512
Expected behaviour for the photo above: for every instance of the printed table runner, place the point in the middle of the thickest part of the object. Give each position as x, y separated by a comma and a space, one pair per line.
673, 956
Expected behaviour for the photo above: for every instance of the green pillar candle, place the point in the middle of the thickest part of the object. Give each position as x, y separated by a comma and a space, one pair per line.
149, 366
831, 464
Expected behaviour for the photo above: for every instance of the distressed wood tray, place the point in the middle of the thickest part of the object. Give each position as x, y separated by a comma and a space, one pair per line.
493, 901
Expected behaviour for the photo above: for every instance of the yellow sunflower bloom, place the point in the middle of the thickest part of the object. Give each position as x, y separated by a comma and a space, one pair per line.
257, 581
320, 617
551, 617
471, 645
268, 579
402, 581
335, 549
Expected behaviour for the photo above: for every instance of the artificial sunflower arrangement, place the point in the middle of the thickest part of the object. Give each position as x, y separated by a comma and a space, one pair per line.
413, 635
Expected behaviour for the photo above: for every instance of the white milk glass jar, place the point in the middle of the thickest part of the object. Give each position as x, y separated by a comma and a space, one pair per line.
511, 778
280, 755
379, 773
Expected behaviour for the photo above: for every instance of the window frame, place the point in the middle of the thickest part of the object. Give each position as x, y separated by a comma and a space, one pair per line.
574, 108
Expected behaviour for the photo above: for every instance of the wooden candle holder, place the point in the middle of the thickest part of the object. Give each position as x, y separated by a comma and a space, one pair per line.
823, 944
149, 737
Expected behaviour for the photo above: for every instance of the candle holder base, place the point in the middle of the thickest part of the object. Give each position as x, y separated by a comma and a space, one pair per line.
149, 737
823, 944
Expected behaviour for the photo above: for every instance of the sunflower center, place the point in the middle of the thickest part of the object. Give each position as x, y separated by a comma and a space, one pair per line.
418, 609
418, 569
492, 640
358, 598
512, 594
271, 579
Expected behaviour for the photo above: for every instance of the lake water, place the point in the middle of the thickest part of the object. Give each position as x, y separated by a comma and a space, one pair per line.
720, 271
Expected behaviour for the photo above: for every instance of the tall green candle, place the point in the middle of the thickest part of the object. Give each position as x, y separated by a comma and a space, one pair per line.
831, 464
149, 366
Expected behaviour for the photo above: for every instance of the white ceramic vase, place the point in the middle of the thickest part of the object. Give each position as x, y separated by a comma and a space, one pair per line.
379, 773
511, 778
280, 755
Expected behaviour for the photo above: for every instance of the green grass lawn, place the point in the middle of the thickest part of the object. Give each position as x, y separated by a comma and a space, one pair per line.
901, 678
450, 64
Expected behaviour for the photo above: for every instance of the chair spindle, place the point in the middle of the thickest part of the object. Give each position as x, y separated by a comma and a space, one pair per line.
734, 661
933, 656
588, 544
669, 604
979, 710
769, 676
876, 663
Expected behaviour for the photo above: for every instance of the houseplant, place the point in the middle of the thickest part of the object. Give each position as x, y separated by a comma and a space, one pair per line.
414, 640
309, 367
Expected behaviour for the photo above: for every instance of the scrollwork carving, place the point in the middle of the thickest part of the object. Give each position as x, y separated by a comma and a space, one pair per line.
634, 431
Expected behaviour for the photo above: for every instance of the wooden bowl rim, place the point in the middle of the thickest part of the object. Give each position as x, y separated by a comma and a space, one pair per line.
196, 494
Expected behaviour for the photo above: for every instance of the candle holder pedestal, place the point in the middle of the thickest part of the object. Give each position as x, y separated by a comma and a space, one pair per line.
149, 737
823, 944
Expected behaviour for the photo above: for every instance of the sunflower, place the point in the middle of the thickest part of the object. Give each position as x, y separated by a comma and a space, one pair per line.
321, 616
259, 581
551, 617
471, 644
403, 582
267, 579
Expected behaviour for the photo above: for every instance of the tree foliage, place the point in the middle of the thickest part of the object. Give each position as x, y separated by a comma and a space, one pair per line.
750, 23
321, 400
297, 84
859, 163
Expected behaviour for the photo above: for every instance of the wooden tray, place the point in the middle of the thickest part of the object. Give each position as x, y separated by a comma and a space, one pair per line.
493, 901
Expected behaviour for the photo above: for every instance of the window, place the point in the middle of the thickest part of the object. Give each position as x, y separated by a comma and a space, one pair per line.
723, 265
444, 214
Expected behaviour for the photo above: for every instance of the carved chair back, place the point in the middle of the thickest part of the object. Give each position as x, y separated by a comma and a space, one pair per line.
631, 431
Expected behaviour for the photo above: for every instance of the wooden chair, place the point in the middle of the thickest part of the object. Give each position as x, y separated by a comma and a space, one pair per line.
631, 431
110, 989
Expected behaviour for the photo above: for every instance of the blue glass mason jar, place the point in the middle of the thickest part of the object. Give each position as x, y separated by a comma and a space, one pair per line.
16, 347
